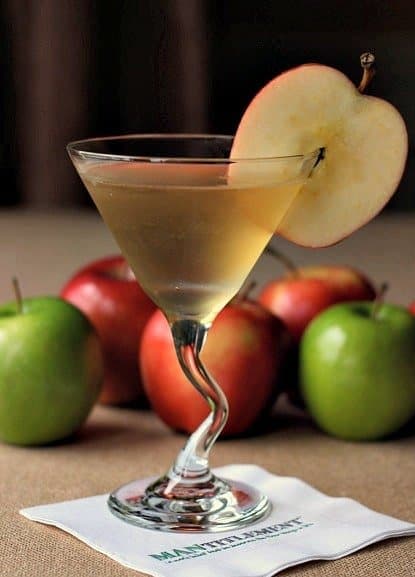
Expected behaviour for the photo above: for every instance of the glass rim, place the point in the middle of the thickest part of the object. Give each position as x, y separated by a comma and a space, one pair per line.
75, 147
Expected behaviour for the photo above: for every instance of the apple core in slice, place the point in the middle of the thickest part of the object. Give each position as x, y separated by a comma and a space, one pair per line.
363, 140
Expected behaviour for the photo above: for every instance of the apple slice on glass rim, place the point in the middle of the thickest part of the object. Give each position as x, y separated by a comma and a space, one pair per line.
362, 140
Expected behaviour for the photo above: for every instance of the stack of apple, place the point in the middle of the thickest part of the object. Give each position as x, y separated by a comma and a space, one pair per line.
249, 349
354, 366
250, 346
356, 363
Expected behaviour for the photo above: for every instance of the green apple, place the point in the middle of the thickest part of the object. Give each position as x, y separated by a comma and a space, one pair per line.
50, 370
357, 369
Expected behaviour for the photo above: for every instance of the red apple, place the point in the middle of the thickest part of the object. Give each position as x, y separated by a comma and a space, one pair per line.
412, 308
349, 283
108, 294
244, 352
297, 301
299, 297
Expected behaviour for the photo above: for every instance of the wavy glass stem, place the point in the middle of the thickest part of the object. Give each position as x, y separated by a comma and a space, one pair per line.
192, 462
190, 497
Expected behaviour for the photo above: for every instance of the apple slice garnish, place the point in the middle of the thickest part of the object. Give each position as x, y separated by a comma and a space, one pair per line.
362, 139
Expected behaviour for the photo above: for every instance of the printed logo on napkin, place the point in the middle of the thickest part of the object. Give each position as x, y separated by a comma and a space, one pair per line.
303, 525
202, 549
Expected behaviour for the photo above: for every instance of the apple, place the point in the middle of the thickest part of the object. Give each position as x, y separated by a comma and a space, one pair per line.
244, 352
349, 283
304, 292
362, 143
107, 292
50, 370
412, 308
297, 301
357, 369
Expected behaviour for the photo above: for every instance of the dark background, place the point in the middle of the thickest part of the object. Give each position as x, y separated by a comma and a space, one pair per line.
76, 68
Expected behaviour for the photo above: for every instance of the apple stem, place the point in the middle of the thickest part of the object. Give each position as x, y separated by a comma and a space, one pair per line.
321, 156
380, 296
367, 62
18, 295
286, 261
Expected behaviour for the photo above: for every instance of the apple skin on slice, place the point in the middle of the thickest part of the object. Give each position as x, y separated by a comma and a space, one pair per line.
364, 142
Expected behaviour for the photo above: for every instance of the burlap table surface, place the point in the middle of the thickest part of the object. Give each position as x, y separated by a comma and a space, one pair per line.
117, 445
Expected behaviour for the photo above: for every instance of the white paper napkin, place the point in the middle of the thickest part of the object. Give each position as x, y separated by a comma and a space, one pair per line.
304, 525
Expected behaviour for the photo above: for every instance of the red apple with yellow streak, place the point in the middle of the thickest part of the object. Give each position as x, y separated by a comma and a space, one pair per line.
349, 283
297, 301
245, 352
306, 291
108, 294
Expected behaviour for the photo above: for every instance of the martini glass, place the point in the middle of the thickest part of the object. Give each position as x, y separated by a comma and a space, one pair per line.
191, 222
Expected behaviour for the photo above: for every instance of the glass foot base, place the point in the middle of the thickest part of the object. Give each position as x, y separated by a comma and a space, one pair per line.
214, 505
